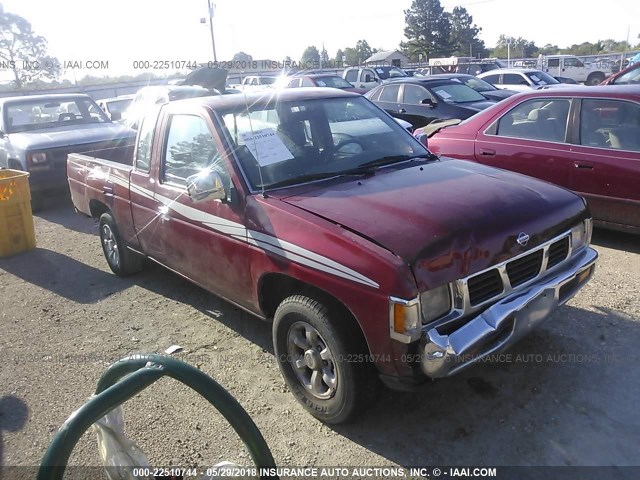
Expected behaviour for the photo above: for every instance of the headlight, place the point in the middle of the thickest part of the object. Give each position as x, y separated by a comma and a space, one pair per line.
38, 159
435, 303
581, 234
404, 319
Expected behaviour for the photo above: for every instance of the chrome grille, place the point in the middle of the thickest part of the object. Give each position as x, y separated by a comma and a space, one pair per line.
558, 251
484, 286
500, 280
525, 268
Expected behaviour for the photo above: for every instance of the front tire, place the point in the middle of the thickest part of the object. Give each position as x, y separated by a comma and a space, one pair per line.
322, 361
122, 261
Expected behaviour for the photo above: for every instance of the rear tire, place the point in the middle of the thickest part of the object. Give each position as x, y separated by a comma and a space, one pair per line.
322, 361
595, 79
121, 260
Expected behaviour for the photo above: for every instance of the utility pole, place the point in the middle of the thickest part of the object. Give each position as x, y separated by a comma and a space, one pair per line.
213, 41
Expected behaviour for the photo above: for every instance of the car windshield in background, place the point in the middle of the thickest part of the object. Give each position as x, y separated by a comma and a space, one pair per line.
286, 143
119, 105
457, 93
631, 77
389, 72
478, 84
542, 78
40, 114
333, 82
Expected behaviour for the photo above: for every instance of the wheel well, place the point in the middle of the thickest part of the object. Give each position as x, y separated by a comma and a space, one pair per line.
275, 287
596, 74
97, 208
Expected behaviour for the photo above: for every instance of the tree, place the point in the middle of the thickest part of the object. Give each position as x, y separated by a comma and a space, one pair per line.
352, 56
311, 56
464, 35
338, 58
520, 48
428, 30
24, 52
363, 50
324, 57
242, 57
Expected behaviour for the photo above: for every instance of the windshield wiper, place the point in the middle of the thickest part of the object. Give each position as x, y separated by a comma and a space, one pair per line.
389, 160
313, 176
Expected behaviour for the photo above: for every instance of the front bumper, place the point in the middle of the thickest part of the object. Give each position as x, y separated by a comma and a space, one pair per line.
505, 322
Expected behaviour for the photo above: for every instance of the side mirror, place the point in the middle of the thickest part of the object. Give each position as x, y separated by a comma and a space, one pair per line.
428, 102
115, 116
422, 138
206, 186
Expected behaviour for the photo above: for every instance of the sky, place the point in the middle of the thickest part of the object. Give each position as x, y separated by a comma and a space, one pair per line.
123, 32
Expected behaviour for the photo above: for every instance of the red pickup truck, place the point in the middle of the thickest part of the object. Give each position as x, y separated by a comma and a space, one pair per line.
314, 208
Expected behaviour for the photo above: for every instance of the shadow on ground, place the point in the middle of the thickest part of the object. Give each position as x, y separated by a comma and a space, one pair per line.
626, 242
14, 414
64, 275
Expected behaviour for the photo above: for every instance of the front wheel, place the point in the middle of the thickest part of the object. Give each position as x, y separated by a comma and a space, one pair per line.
122, 262
322, 362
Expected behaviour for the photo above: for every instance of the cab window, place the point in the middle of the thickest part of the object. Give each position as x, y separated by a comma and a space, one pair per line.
189, 149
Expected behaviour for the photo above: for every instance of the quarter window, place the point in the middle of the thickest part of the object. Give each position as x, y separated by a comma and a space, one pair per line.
493, 79
190, 149
145, 140
539, 119
513, 79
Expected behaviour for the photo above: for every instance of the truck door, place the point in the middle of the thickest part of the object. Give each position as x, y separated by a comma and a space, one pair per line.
205, 240
144, 210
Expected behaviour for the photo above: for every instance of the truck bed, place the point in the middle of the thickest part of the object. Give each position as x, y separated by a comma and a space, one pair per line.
93, 179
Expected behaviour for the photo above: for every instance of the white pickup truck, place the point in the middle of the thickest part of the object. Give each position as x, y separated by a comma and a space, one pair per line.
570, 66
255, 83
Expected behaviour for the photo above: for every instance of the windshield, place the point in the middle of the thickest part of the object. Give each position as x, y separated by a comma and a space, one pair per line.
457, 93
268, 80
389, 72
477, 84
632, 76
542, 78
334, 82
30, 114
288, 141
118, 105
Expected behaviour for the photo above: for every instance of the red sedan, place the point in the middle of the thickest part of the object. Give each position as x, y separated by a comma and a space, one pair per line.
629, 75
586, 139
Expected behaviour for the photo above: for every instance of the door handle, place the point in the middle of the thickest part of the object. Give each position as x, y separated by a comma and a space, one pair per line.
583, 166
402, 110
487, 152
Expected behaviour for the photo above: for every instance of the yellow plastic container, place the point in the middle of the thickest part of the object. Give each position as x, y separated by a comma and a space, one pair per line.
16, 221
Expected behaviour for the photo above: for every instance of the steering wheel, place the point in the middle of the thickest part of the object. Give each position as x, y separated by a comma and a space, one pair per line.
329, 152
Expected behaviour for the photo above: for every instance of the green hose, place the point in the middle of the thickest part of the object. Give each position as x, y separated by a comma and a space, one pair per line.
140, 371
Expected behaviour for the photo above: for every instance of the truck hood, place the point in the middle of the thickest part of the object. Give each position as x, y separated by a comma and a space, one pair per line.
446, 219
65, 136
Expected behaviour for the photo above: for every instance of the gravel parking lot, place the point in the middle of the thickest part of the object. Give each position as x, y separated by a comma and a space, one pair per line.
567, 395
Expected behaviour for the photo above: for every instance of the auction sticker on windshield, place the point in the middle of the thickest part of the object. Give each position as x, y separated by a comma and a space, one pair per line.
266, 147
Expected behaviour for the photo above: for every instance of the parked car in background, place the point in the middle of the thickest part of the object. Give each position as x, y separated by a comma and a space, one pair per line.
419, 101
370, 77
484, 88
628, 76
320, 80
520, 79
465, 65
586, 139
114, 107
148, 97
570, 66
255, 83
37, 132
374, 259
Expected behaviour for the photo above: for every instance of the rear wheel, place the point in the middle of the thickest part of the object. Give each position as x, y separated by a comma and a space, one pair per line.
322, 362
595, 78
121, 260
